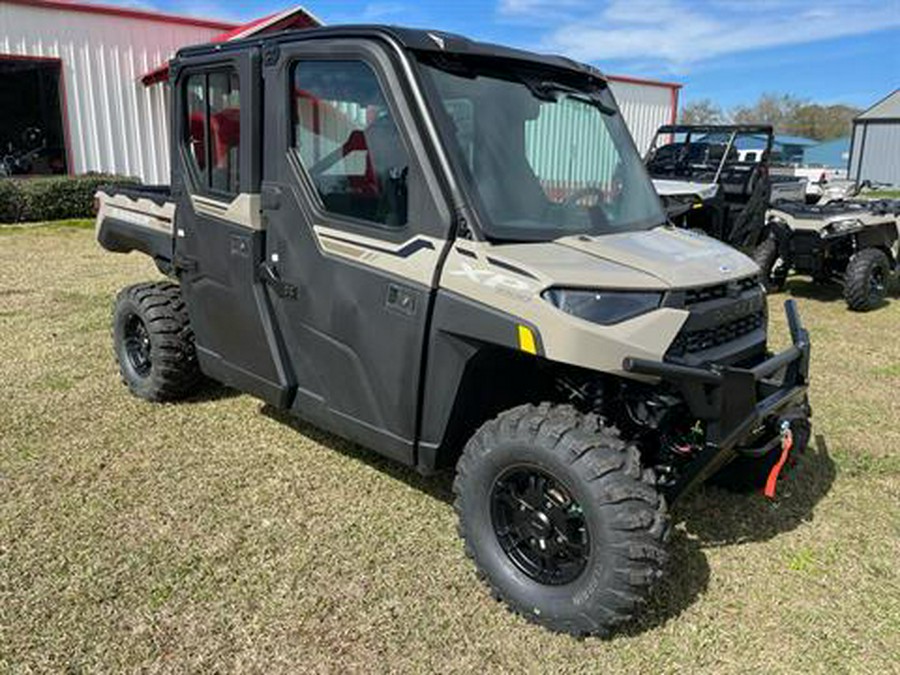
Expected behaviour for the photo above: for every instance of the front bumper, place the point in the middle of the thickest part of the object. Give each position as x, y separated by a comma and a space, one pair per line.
735, 402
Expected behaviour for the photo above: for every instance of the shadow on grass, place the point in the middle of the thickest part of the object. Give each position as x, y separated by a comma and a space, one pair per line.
711, 517
210, 391
686, 578
830, 291
438, 486
802, 287
720, 518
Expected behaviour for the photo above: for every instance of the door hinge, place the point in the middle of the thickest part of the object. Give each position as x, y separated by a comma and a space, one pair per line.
269, 276
271, 54
270, 199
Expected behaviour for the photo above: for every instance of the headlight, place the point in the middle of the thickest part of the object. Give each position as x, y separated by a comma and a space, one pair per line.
603, 307
842, 227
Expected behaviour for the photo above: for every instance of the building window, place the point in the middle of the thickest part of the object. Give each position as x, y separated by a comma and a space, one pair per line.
213, 130
346, 138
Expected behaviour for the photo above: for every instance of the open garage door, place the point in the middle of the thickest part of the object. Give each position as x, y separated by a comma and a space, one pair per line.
32, 136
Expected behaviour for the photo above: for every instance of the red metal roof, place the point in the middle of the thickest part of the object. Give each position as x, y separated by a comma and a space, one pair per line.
125, 12
629, 79
297, 17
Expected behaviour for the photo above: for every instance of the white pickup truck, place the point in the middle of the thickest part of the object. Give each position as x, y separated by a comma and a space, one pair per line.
816, 179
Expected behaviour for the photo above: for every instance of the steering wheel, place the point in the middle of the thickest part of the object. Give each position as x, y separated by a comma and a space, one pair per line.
578, 195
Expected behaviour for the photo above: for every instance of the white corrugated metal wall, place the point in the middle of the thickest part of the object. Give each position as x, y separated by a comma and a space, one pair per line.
646, 107
875, 153
115, 124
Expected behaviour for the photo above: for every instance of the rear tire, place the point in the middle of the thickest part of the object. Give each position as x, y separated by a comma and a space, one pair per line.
578, 554
866, 280
154, 343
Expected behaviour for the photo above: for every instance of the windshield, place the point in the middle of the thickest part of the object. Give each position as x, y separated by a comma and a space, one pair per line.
702, 156
543, 158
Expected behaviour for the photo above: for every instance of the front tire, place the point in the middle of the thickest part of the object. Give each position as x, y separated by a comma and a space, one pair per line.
866, 280
559, 518
154, 343
774, 275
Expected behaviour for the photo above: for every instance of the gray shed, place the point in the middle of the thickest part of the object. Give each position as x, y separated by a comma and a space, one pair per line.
875, 145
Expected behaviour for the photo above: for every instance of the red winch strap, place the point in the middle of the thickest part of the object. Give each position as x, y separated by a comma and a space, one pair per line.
787, 442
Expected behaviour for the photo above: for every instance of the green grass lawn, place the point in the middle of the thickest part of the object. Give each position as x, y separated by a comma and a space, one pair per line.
882, 194
216, 535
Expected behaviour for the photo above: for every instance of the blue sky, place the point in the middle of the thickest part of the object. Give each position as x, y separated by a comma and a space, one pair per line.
830, 51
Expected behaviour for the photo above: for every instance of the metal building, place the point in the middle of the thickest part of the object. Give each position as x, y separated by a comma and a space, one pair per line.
83, 86
70, 81
875, 144
646, 106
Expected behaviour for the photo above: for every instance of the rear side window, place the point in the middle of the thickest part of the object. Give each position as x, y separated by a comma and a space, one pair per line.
213, 130
346, 138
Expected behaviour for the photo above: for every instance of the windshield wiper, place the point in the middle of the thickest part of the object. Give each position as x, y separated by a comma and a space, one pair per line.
546, 89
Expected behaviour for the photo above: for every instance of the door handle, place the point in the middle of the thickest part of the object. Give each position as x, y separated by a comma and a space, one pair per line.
269, 276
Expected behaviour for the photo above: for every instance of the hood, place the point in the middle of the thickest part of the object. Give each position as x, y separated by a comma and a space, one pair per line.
662, 258
675, 188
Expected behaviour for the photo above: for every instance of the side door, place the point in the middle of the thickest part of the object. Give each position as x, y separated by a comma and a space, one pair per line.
357, 228
220, 238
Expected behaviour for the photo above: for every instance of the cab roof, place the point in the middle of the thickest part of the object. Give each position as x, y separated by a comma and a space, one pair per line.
421, 40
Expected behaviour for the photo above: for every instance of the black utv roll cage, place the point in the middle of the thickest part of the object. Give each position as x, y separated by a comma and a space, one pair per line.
735, 211
706, 132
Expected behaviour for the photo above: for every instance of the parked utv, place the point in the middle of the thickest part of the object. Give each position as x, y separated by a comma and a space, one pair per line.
451, 253
852, 242
708, 184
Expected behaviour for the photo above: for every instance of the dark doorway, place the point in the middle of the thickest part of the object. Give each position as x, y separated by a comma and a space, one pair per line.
32, 137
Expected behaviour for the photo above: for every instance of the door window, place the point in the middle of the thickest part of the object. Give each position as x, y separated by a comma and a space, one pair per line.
213, 130
347, 140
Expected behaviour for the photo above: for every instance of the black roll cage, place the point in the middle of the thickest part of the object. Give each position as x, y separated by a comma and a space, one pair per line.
732, 131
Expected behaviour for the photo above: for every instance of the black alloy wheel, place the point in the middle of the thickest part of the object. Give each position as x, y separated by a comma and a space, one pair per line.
539, 525
137, 345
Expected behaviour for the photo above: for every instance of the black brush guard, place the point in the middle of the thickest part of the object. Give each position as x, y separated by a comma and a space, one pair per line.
736, 402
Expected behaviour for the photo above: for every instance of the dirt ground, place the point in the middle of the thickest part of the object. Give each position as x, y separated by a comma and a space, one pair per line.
217, 535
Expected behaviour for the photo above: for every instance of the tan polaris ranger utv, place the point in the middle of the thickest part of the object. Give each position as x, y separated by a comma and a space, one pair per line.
451, 253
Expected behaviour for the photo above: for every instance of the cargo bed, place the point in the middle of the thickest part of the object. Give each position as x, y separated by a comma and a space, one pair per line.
137, 218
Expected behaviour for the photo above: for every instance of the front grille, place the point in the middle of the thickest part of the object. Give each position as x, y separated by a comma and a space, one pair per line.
695, 296
693, 341
719, 315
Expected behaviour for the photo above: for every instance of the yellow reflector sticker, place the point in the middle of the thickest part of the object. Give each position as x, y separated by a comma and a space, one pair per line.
527, 342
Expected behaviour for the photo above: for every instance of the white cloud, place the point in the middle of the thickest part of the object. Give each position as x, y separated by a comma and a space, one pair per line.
540, 10
376, 11
679, 33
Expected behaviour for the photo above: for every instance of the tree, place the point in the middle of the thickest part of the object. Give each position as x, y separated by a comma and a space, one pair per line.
797, 117
774, 109
702, 111
822, 122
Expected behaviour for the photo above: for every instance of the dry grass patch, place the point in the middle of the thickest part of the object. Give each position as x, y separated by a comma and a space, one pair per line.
217, 535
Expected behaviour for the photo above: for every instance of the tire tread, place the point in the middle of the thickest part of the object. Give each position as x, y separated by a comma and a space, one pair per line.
621, 490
